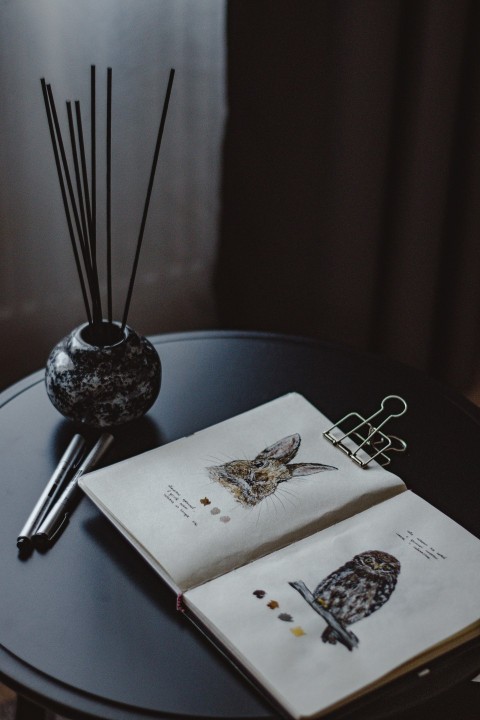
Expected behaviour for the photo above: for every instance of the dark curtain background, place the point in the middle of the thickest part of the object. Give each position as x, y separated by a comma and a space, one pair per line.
351, 178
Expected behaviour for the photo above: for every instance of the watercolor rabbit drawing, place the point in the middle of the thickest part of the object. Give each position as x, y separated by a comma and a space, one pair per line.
250, 481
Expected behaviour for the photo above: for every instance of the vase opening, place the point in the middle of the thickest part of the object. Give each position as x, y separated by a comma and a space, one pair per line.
102, 334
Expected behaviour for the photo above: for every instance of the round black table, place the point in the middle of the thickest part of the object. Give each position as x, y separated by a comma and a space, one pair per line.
89, 630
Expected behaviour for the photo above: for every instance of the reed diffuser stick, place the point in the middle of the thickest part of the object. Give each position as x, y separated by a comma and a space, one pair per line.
109, 191
71, 232
63, 156
147, 199
83, 162
93, 166
88, 259
84, 239
97, 307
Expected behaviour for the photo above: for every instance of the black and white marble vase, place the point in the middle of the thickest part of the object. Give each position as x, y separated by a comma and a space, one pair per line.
105, 378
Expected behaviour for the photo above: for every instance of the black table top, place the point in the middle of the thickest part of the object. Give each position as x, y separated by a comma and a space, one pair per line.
88, 629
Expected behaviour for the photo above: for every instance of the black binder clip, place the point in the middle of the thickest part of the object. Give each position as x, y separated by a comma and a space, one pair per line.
363, 440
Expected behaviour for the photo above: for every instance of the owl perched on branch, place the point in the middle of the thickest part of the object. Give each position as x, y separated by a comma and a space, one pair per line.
351, 593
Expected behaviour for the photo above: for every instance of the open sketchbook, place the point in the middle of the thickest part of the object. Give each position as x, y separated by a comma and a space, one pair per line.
321, 579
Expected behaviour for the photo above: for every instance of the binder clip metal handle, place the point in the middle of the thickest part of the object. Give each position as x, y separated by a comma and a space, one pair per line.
365, 441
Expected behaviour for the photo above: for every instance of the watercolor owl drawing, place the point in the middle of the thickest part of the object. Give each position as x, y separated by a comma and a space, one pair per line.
352, 592
251, 481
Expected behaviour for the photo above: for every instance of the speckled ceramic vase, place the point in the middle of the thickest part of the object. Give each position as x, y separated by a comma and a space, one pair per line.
103, 379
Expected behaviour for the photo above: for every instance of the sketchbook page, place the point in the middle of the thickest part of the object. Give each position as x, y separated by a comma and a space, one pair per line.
402, 574
202, 505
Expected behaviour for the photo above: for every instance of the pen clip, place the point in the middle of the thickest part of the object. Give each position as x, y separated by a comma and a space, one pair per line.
63, 522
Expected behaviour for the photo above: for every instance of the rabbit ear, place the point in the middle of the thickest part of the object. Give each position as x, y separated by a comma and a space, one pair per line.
298, 469
284, 450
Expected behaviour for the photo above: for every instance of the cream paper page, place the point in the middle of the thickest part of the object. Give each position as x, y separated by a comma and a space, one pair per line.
429, 591
169, 503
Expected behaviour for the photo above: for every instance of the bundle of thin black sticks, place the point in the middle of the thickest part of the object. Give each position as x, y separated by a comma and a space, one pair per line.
80, 202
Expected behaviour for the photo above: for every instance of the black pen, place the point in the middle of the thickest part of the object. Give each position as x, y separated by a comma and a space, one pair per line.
67, 462
59, 513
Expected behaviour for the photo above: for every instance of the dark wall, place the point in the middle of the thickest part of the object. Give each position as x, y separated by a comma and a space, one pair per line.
351, 168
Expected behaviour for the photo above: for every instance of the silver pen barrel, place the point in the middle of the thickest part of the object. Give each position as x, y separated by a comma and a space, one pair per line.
58, 515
